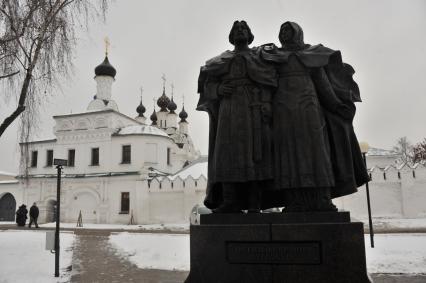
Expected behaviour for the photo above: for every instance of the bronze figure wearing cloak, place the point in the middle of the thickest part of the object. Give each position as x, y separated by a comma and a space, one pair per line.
316, 153
236, 90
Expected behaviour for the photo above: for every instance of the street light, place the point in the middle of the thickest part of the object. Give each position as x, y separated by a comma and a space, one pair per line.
364, 149
59, 163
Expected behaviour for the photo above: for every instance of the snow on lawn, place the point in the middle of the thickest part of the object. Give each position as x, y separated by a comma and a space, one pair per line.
24, 258
395, 223
153, 251
394, 253
382, 224
7, 223
178, 227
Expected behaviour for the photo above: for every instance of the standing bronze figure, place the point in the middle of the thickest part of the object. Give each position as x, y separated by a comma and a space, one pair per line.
316, 153
236, 90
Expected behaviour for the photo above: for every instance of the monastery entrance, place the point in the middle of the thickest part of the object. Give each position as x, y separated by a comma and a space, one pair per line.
7, 207
51, 211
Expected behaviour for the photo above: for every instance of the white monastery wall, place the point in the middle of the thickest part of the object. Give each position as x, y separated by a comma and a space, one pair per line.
166, 201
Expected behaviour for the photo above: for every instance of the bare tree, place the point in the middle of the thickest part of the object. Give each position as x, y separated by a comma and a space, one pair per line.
419, 151
404, 147
37, 40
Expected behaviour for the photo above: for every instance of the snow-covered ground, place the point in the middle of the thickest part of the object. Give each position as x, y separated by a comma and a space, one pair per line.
397, 253
7, 223
382, 224
24, 259
395, 223
179, 227
153, 251
394, 253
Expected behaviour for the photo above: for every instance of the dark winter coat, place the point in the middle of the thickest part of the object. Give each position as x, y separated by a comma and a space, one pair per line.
21, 215
34, 211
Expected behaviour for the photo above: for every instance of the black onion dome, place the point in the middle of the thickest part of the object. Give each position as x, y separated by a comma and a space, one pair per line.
172, 106
141, 109
163, 101
105, 69
154, 118
183, 115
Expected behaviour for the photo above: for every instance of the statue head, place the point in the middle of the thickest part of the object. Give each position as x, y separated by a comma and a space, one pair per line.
240, 33
291, 34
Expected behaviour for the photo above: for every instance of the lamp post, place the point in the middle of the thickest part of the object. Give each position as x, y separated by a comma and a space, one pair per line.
364, 149
59, 163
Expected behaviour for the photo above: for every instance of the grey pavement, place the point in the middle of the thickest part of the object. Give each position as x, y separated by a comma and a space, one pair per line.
399, 278
94, 260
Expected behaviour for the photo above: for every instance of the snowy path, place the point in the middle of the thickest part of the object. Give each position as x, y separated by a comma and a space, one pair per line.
24, 258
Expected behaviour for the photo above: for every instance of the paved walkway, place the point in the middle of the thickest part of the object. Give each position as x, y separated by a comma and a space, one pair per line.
399, 278
95, 261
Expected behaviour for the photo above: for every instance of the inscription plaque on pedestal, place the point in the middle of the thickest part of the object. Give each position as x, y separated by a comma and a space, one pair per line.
304, 253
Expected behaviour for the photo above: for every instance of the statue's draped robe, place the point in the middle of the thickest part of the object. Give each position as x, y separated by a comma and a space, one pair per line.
314, 145
240, 148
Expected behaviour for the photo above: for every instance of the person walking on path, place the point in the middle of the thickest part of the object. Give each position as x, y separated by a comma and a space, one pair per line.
33, 215
21, 215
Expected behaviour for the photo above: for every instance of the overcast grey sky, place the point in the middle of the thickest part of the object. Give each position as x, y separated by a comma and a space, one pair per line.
384, 40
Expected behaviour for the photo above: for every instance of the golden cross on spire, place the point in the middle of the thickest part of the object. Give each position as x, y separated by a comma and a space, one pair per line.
183, 99
163, 77
141, 88
153, 99
107, 45
173, 88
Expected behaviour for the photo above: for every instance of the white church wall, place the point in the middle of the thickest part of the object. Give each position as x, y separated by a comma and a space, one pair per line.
380, 160
166, 207
414, 199
115, 187
397, 196
173, 204
41, 148
142, 210
85, 200
146, 150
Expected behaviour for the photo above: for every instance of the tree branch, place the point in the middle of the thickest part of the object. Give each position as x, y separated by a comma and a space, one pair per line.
9, 75
9, 120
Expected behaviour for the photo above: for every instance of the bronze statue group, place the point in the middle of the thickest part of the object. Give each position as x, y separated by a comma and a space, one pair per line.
281, 131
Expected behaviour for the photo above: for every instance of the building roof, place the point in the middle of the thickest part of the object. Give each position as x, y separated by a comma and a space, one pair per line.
84, 175
46, 140
183, 115
105, 69
9, 182
195, 169
4, 173
163, 101
140, 109
373, 151
141, 130
96, 111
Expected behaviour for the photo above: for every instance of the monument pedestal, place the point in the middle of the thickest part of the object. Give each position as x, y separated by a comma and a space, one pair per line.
277, 247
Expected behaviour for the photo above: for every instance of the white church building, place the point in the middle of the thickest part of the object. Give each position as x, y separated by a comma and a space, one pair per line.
116, 164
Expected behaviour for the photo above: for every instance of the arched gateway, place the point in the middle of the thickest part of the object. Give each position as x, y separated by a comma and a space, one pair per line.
7, 207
